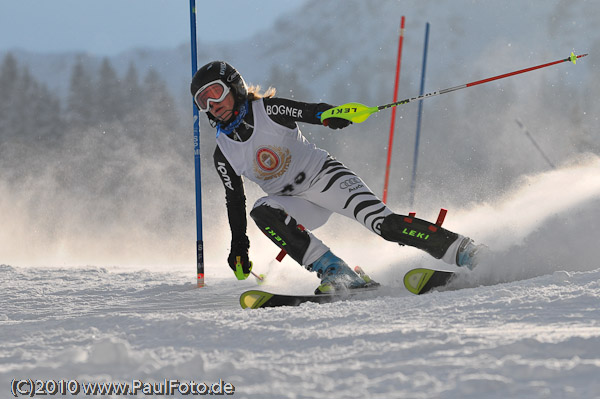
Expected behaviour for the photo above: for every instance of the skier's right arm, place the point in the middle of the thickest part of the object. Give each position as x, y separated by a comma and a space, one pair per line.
235, 201
287, 112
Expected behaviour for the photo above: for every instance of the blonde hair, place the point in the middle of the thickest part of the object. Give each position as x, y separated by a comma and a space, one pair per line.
255, 94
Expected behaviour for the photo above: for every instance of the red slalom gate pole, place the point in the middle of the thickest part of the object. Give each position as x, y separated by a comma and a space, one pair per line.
393, 123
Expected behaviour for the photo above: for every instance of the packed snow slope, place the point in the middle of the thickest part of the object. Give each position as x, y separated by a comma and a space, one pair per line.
526, 323
538, 338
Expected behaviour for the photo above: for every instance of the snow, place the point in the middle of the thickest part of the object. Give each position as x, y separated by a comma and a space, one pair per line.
533, 338
525, 324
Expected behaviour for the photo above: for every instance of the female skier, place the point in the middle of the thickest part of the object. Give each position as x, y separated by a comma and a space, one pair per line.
257, 137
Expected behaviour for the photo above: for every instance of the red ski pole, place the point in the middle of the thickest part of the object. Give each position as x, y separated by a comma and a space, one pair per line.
358, 113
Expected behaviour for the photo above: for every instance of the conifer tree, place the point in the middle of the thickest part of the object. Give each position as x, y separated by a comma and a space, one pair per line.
81, 101
28, 110
9, 75
131, 90
108, 94
157, 100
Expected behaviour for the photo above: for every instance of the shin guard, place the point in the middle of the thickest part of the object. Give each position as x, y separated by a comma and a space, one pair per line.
283, 230
418, 233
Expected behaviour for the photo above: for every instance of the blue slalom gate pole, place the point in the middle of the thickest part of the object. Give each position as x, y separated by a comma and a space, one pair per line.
197, 165
413, 182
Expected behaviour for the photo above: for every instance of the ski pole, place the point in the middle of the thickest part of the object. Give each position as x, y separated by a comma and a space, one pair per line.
535, 144
260, 278
239, 272
358, 113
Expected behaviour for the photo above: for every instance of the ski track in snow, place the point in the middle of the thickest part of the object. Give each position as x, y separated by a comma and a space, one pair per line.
526, 323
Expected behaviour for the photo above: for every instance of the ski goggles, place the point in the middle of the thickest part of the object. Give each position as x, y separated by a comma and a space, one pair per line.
212, 92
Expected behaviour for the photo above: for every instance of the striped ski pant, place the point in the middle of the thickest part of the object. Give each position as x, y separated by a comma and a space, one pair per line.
334, 189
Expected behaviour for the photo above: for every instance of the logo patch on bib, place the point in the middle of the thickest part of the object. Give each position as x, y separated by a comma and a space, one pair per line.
271, 162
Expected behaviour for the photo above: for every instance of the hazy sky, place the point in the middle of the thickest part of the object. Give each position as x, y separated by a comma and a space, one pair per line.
108, 27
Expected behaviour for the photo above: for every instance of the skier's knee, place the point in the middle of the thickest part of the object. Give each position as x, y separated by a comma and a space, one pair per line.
417, 233
282, 229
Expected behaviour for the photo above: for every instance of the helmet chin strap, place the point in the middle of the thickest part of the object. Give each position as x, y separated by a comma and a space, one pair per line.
241, 113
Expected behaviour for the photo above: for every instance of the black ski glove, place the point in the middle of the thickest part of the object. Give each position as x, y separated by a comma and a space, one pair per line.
332, 123
336, 123
238, 258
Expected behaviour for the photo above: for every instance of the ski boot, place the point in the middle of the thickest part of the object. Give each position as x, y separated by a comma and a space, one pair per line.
468, 254
336, 275
370, 283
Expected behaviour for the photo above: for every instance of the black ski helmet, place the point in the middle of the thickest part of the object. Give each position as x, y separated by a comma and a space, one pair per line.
221, 70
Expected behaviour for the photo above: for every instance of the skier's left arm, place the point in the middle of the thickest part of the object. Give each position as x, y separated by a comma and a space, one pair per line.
287, 112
